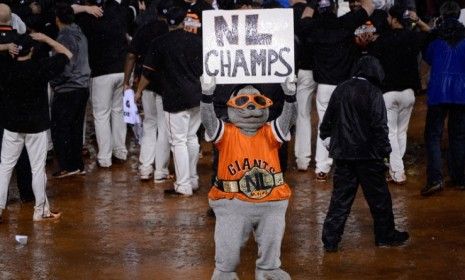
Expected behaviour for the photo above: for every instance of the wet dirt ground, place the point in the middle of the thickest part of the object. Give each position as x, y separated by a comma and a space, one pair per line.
116, 227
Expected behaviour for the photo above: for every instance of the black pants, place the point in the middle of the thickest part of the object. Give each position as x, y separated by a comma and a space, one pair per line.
23, 173
435, 119
68, 111
348, 174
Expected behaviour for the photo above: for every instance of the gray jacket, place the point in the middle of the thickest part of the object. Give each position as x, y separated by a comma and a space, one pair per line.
77, 71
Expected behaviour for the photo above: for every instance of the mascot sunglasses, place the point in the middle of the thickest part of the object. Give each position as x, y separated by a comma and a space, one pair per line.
241, 101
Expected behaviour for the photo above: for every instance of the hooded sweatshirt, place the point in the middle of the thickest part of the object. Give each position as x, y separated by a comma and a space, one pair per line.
356, 118
77, 72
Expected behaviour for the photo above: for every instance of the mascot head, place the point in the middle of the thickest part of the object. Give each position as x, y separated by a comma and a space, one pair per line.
248, 109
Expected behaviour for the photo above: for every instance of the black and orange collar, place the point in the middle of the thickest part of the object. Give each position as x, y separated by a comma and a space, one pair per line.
6, 28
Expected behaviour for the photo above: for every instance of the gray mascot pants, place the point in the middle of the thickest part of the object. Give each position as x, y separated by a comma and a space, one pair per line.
235, 219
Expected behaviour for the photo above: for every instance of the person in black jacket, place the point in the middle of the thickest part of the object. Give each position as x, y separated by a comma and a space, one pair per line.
154, 145
398, 50
334, 55
107, 45
26, 116
355, 125
177, 55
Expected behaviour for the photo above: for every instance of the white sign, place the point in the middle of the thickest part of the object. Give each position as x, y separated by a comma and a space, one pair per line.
248, 46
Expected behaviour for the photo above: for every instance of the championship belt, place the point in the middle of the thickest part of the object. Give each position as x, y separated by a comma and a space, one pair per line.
256, 183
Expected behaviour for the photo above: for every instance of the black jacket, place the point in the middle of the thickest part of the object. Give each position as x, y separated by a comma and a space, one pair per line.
398, 52
334, 48
106, 37
356, 118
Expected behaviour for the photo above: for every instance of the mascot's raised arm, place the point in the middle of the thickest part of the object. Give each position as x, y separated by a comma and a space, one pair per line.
250, 193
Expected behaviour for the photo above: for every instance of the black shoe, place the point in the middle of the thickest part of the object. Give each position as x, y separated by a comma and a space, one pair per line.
433, 188
331, 248
117, 160
396, 238
211, 213
173, 192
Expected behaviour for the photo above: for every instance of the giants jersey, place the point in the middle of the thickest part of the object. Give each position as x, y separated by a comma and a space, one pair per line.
241, 155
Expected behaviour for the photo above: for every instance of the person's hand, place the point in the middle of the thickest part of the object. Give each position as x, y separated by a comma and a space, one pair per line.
35, 7
208, 84
289, 86
364, 39
413, 16
95, 11
40, 37
142, 6
308, 12
13, 49
126, 87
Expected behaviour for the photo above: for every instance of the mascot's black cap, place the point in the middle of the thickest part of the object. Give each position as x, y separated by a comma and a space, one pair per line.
25, 43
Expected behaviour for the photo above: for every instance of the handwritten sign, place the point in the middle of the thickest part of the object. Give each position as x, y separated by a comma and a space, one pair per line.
248, 46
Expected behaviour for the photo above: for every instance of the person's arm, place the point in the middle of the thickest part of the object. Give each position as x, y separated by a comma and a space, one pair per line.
368, 6
96, 11
421, 24
289, 114
207, 110
57, 47
128, 67
141, 86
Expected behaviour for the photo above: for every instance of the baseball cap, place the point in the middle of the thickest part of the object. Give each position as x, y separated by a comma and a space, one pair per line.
175, 15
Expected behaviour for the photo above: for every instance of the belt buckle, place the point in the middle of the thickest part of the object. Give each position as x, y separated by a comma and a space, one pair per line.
230, 186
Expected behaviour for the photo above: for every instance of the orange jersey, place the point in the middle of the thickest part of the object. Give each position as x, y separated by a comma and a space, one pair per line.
239, 153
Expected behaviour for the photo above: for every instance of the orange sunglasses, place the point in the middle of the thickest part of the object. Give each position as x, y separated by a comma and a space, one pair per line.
241, 101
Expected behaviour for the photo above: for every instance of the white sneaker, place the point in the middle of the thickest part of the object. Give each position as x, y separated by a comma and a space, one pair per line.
146, 176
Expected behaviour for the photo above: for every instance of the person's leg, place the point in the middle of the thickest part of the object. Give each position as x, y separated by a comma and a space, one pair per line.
391, 99
407, 103
118, 126
376, 192
269, 232
162, 148
456, 128
149, 138
24, 177
78, 129
303, 130
36, 145
12, 145
102, 93
178, 128
232, 229
323, 161
65, 111
433, 133
193, 146
345, 188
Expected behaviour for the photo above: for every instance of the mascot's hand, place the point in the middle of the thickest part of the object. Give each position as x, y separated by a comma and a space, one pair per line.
208, 84
290, 85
